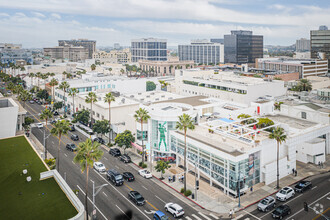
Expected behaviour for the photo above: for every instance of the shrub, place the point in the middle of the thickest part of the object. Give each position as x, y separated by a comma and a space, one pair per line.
182, 190
143, 165
51, 163
187, 193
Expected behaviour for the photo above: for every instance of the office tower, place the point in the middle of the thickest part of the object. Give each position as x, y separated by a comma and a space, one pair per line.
202, 52
243, 47
302, 45
149, 49
217, 40
89, 44
71, 53
320, 44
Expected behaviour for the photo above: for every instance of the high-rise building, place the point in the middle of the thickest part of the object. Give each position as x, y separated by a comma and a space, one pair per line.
149, 49
303, 45
217, 40
89, 44
11, 53
70, 53
320, 44
202, 51
242, 47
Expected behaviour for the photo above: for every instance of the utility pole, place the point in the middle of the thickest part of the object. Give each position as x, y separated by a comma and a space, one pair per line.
94, 194
45, 142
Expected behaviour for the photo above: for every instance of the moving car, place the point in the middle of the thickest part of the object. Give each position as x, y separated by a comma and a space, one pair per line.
74, 137
115, 152
266, 204
98, 166
128, 176
98, 139
31, 101
115, 177
136, 197
285, 194
159, 215
145, 173
303, 186
71, 147
56, 113
72, 128
175, 209
39, 102
125, 158
39, 125
281, 211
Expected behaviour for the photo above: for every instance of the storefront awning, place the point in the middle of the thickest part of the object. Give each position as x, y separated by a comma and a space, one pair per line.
136, 146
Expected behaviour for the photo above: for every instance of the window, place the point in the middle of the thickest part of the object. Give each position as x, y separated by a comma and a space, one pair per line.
102, 117
98, 115
93, 112
303, 115
79, 105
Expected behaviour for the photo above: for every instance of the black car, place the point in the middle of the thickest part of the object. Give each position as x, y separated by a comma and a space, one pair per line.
74, 137
115, 152
39, 102
55, 113
125, 158
303, 186
72, 128
281, 211
100, 140
128, 176
136, 197
71, 147
115, 177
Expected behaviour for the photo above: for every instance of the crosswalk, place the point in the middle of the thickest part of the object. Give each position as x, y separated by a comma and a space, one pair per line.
199, 216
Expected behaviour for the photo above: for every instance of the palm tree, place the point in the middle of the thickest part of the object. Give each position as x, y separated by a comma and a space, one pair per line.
93, 67
91, 98
53, 83
278, 135
110, 69
23, 96
46, 114
141, 115
304, 85
88, 152
64, 86
108, 99
64, 74
31, 75
38, 75
122, 71
61, 127
73, 92
185, 122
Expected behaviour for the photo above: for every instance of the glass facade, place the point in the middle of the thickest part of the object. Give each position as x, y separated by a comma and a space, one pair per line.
205, 53
149, 49
320, 42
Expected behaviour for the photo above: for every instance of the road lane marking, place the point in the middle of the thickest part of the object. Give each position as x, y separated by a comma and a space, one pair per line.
152, 205
160, 199
144, 187
73, 162
92, 202
117, 166
65, 155
216, 217
196, 217
53, 142
121, 210
314, 187
319, 215
253, 215
105, 194
188, 218
204, 216
105, 158
128, 187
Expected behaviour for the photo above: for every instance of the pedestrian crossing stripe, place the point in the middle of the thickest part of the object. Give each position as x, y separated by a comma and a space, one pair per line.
204, 216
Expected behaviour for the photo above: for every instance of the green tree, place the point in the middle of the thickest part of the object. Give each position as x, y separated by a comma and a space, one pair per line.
109, 97
27, 122
110, 69
51, 163
31, 76
304, 85
150, 86
124, 139
46, 114
53, 83
82, 116
73, 92
64, 86
187, 66
61, 127
10, 86
88, 152
278, 135
142, 115
91, 98
264, 122
277, 105
24, 96
162, 166
93, 67
58, 105
101, 127
43, 94
185, 122
122, 71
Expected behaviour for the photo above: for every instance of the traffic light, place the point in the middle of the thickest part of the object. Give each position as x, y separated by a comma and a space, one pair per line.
306, 206
197, 184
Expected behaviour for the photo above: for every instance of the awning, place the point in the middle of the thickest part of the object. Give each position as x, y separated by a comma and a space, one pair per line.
136, 146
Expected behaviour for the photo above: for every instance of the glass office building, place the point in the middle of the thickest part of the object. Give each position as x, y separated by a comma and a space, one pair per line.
149, 49
320, 44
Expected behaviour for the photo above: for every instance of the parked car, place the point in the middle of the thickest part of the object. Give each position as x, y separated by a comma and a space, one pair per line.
175, 209
303, 186
74, 137
145, 173
39, 102
98, 139
72, 128
136, 197
128, 176
39, 125
98, 166
31, 101
56, 113
166, 159
115, 152
115, 177
281, 211
125, 158
159, 215
285, 194
266, 204
71, 147
83, 123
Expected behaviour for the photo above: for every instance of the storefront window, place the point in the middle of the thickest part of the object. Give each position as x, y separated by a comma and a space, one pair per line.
139, 135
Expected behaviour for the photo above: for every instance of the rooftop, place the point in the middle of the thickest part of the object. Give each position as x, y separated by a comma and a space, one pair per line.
295, 123
153, 96
191, 100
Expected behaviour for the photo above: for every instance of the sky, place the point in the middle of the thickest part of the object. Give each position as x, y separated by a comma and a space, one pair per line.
41, 23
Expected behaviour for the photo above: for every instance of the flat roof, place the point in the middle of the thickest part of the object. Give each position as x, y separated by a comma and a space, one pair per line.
119, 101
153, 96
292, 122
191, 100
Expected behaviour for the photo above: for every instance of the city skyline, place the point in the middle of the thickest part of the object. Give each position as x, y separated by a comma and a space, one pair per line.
39, 24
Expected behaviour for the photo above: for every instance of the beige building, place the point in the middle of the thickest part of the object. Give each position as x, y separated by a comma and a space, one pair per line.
70, 53
166, 67
114, 56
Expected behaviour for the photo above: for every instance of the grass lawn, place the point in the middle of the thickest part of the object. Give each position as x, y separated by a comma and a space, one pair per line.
20, 199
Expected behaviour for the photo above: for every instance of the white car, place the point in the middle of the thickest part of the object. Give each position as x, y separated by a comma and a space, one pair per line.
285, 194
98, 166
39, 125
145, 173
175, 209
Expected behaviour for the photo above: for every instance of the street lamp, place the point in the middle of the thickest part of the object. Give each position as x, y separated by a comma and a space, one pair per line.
95, 193
45, 147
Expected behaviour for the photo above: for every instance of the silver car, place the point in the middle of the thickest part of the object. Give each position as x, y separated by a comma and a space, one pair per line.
266, 204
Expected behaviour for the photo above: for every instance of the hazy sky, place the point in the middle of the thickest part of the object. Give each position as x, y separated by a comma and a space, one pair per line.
40, 23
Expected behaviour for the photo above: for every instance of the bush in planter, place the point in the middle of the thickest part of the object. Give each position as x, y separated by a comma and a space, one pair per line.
187, 193
182, 190
143, 165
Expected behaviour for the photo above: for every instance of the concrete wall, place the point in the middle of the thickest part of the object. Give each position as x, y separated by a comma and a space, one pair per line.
8, 117
311, 152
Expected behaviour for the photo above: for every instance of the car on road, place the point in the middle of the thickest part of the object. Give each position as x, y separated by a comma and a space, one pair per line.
281, 211
98, 139
159, 215
125, 158
136, 197
39, 102
39, 125
74, 137
266, 204
8, 91
115, 152
285, 194
31, 101
98, 166
71, 147
128, 176
145, 173
303, 186
175, 209
115, 177
72, 128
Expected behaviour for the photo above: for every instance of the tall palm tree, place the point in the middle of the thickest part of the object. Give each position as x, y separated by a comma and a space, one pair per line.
73, 92
108, 99
31, 75
304, 85
46, 114
93, 67
64, 74
64, 86
38, 75
88, 152
91, 98
24, 96
110, 69
278, 135
61, 127
53, 83
122, 71
141, 115
185, 122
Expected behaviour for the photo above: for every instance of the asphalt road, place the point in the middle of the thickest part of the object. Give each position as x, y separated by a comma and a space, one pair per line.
113, 201
318, 199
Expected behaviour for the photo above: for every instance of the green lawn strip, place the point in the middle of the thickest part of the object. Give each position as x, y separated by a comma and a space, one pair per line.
20, 199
